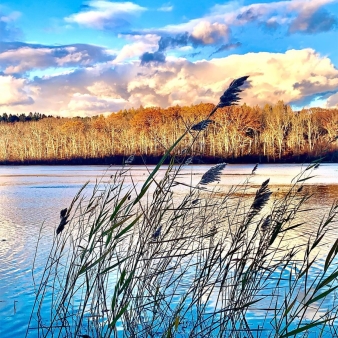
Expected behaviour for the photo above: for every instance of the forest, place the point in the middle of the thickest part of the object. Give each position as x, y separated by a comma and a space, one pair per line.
273, 133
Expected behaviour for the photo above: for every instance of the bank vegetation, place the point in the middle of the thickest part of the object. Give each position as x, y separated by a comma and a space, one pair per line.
237, 133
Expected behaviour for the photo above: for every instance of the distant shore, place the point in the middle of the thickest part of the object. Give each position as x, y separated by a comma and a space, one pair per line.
331, 157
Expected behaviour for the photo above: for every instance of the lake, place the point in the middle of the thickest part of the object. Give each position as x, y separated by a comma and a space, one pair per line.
34, 195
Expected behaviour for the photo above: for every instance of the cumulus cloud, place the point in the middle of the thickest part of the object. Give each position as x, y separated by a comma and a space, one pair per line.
86, 104
74, 93
131, 50
293, 76
216, 27
106, 15
207, 33
141, 45
197, 32
306, 16
203, 34
102, 89
274, 76
332, 101
17, 58
14, 92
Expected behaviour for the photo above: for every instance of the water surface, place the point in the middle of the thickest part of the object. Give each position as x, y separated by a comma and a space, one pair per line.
34, 195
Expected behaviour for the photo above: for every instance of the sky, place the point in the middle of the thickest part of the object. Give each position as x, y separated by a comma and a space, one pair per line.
84, 58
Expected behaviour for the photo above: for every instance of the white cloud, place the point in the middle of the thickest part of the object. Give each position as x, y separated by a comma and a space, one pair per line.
332, 101
311, 18
305, 16
24, 57
102, 89
73, 57
308, 6
87, 105
103, 14
142, 44
293, 76
14, 92
210, 33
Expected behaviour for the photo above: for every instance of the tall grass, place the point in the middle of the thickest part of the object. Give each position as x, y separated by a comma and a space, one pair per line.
171, 259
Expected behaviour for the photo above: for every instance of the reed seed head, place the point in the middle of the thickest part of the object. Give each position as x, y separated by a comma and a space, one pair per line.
63, 222
213, 174
254, 169
200, 126
266, 224
231, 95
63, 213
261, 198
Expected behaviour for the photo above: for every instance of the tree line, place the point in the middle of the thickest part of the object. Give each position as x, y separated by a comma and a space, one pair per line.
237, 133
22, 117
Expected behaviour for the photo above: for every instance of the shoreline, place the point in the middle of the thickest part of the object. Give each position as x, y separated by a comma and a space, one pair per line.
331, 157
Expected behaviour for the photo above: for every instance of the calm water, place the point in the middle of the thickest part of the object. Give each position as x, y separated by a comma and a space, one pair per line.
33, 195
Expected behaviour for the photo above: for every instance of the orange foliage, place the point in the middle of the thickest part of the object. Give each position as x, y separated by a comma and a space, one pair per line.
273, 131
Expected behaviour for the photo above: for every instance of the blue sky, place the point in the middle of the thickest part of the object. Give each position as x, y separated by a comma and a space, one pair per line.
93, 57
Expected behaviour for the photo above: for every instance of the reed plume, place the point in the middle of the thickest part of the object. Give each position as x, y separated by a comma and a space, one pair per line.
261, 198
266, 223
213, 174
254, 169
230, 97
64, 216
200, 126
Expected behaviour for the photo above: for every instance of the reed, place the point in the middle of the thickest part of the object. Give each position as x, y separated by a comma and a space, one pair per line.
131, 261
